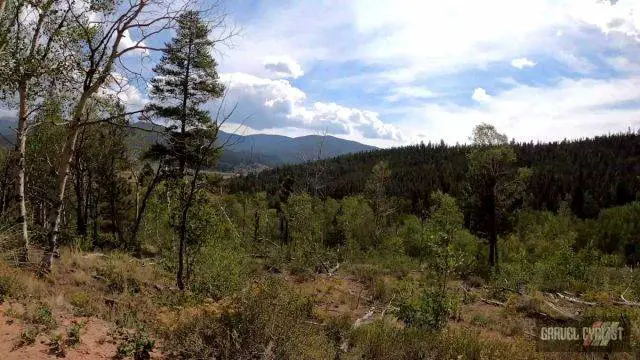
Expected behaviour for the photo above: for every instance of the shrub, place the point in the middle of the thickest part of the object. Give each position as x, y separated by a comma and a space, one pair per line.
83, 304
28, 336
270, 316
43, 317
57, 346
136, 344
429, 311
73, 333
5, 288
220, 270
305, 229
356, 221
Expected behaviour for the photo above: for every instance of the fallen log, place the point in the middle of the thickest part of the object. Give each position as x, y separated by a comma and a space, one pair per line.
576, 301
493, 302
561, 311
367, 318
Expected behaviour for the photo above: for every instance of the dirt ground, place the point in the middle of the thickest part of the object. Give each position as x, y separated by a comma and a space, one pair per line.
95, 339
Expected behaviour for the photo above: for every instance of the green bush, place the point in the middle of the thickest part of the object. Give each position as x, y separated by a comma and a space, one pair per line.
83, 304
73, 333
43, 317
220, 270
357, 221
136, 344
429, 311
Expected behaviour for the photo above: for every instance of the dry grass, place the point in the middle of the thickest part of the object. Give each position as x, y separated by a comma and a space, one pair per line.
312, 316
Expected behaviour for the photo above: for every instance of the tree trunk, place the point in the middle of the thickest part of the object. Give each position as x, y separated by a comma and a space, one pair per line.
21, 149
140, 212
183, 236
64, 167
5, 183
81, 224
2, 6
256, 226
493, 236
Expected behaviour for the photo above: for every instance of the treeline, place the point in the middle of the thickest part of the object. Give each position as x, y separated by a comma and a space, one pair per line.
590, 174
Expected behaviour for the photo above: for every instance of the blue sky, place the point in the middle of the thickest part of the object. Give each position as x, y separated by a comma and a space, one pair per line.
391, 73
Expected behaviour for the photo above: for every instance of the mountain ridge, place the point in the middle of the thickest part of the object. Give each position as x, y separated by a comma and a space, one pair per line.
244, 152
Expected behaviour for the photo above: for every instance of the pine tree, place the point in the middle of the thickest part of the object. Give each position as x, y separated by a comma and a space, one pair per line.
490, 172
186, 78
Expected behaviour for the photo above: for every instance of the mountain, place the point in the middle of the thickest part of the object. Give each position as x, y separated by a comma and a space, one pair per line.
242, 152
259, 151
287, 150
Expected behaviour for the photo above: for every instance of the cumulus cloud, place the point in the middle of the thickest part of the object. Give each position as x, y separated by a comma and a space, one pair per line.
404, 50
267, 103
480, 95
127, 42
118, 86
283, 67
568, 109
521, 63
611, 16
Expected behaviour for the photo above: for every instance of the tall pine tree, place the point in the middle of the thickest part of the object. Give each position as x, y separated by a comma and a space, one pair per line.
186, 78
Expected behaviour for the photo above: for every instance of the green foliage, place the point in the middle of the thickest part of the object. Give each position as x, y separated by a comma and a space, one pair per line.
42, 317
429, 311
442, 243
83, 304
615, 231
305, 229
57, 346
412, 234
136, 344
356, 219
221, 266
73, 333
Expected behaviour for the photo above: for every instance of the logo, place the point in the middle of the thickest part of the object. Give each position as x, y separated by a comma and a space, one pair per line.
593, 336
602, 333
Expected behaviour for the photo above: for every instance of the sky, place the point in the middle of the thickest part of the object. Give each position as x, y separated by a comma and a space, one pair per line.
392, 73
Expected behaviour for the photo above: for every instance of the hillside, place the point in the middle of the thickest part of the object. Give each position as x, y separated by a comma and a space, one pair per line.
244, 151
600, 172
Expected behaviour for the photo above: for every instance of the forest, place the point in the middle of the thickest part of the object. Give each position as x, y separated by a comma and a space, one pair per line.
115, 247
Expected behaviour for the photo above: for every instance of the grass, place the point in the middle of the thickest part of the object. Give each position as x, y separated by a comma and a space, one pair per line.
268, 316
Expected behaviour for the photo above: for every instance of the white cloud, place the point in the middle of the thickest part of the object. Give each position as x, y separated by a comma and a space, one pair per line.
480, 95
392, 49
521, 63
118, 86
620, 16
623, 64
267, 104
283, 67
576, 63
569, 109
409, 39
409, 92
127, 42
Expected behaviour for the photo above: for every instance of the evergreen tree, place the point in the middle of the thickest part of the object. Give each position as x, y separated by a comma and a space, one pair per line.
186, 78
490, 172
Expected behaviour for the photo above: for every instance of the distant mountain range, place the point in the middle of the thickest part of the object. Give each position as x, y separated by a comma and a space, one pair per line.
245, 152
